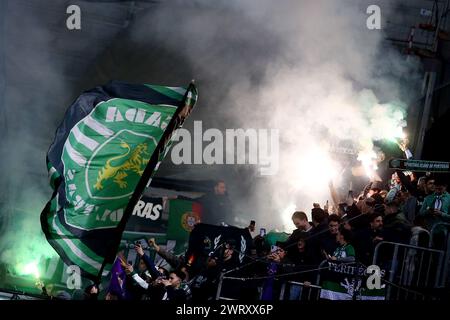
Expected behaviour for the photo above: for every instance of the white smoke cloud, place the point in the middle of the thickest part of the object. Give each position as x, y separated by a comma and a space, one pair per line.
311, 69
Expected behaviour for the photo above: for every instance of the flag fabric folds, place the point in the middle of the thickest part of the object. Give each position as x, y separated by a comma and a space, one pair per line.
105, 151
183, 216
348, 281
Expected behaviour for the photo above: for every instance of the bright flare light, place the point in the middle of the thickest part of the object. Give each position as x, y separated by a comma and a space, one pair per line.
368, 161
286, 216
387, 124
396, 135
29, 269
314, 171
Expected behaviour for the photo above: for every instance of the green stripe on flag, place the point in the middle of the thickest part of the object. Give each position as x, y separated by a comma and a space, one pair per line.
53, 205
334, 291
87, 267
373, 294
167, 92
74, 249
88, 252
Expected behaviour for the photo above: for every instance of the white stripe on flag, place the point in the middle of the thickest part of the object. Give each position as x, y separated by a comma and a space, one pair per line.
98, 127
89, 143
51, 171
334, 295
75, 249
179, 90
75, 155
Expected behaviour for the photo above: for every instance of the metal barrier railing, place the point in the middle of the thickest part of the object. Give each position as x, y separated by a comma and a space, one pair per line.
301, 293
410, 268
410, 271
321, 266
446, 247
219, 287
417, 238
433, 232
305, 293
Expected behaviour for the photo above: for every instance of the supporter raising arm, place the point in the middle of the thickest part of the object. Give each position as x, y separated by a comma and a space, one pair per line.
174, 261
148, 262
403, 145
130, 272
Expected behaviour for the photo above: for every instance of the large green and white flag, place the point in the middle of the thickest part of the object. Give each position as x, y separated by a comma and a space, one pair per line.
109, 145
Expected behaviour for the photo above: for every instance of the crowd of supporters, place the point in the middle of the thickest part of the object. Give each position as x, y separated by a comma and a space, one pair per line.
345, 231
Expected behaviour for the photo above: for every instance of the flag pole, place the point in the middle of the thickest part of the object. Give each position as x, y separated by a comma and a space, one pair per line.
146, 176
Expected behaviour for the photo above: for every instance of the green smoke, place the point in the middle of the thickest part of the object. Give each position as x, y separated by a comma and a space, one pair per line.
385, 121
23, 247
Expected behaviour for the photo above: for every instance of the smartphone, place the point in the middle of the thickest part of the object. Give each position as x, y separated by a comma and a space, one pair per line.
262, 232
273, 248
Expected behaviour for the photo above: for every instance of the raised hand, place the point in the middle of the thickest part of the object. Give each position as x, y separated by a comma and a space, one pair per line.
139, 250
152, 244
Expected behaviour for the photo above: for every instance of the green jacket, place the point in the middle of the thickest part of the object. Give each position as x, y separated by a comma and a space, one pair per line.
429, 203
345, 253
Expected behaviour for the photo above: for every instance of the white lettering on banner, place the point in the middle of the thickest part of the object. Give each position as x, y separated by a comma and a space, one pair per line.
114, 216
147, 210
113, 114
374, 272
